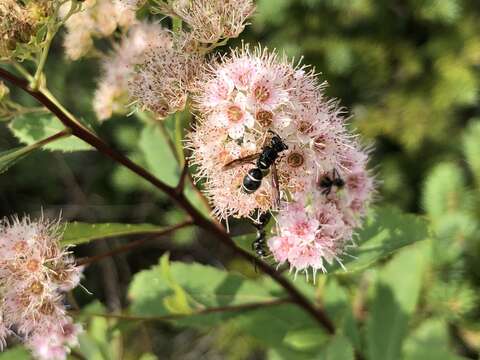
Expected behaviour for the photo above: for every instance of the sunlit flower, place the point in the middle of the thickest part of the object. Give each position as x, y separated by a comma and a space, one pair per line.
56, 345
310, 235
241, 102
34, 274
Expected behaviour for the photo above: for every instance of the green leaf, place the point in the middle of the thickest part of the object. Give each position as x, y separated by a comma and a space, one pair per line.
444, 191
279, 326
205, 287
339, 348
386, 327
286, 353
339, 309
10, 157
195, 199
17, 353
385, 231
471, 147
178, 302
148, 356
395, 299
160, 159
305, 339
429, 342
97, 342
77, 233
32, 128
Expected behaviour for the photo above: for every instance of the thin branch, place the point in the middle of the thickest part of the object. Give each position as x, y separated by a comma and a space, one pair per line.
211, 310
180, 199
183, 176
179, 138
134, 244
54, 137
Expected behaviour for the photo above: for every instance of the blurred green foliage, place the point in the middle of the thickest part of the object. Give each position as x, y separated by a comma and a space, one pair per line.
408, 70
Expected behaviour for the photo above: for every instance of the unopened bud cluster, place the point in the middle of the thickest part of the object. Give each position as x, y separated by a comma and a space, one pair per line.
162, 82
159, 67
34, 275
19, 21
15, 26
111, 96
213, 20
97, 19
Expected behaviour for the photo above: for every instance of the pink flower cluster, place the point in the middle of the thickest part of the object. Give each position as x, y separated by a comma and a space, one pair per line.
242, 99
111, 95
34, 274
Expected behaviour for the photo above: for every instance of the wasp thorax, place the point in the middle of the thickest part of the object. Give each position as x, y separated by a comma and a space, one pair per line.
295, 159
264, 118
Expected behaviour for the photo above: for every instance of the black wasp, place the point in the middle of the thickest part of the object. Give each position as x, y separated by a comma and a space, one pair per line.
259, 244
327, 182
265, 160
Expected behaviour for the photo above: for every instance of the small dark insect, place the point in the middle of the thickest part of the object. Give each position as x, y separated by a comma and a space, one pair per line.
327, 182
265, 160
259, 244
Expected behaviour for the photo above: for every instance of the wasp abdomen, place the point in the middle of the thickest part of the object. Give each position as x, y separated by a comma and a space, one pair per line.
270, 153
252, 181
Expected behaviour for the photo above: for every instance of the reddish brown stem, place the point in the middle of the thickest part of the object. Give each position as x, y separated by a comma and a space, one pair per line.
179, 198
211, 310
183, 176
133, 244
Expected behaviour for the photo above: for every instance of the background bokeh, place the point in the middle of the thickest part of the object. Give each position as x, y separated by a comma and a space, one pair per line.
408, 72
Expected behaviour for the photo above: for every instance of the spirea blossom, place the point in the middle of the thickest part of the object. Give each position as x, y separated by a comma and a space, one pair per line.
111, 95
97, 19
35, 272
163, 80
240, 102
212, 20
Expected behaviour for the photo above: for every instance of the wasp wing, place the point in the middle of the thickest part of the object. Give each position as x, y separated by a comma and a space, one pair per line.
275, 188
241, 161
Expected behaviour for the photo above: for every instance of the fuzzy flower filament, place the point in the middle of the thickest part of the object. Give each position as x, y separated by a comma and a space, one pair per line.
34, 275
163, 81
210, 21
